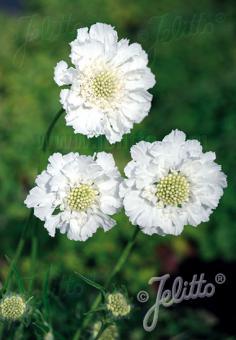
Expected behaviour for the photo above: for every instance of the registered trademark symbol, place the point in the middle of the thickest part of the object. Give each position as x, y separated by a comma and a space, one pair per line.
220, 278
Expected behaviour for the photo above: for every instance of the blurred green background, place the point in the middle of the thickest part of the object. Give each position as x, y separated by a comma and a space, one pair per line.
192, 52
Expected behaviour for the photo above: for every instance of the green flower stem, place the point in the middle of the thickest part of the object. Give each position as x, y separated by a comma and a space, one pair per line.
1, 330
34, 247
50, 128
124, 256
18, 252
21, 242
119, 265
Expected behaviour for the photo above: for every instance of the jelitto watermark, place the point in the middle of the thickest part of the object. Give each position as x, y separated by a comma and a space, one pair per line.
181, 290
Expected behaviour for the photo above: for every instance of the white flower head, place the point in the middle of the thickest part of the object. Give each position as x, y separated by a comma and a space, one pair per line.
170, 184
108, 83
77, 194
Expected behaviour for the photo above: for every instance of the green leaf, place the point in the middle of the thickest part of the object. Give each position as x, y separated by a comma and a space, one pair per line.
92, 283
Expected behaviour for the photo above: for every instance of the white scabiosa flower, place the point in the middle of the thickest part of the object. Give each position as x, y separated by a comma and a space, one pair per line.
170, 184
76, 194
108, 83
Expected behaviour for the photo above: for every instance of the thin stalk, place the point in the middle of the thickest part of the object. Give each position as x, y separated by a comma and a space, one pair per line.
119, 265
34, 246
19, 332
19, 249
50, 128
123, 258
1, 330
21, 242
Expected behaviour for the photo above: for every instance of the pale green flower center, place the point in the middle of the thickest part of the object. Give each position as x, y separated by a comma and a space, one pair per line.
173, 189
118, 305
82, 197
12, 308
104, 85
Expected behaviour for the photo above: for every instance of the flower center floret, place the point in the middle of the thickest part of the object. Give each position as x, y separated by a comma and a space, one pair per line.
104, 85
12, 308
173, 189
82, 197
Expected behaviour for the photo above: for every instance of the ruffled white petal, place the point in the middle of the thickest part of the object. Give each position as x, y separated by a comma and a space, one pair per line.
104, 34
85, 121
62, 74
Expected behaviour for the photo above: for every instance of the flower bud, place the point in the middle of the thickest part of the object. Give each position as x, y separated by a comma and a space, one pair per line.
110, 333
118, 305
12, 308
